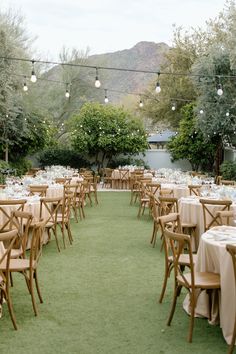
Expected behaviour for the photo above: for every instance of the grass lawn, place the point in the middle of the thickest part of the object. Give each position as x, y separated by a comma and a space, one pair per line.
100, 294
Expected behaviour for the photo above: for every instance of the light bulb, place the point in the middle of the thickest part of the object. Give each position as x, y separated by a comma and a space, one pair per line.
201, 111
67, 94
227, 114
141, 104
219, 90
25, 87
173, 108
106, 100
97, 82
158, 87
33, 76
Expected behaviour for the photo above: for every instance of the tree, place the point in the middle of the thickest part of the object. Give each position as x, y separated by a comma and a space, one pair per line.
104, 131
216, 115
190, 143
176, 84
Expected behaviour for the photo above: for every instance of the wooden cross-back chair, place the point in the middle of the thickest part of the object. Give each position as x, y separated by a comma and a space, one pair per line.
63, 218
73, 189
21, 221
40, 190
144, 196
232, 251
192, 281
107, 177
166, 192
194, 189
6, 208
211, 208
155, 209
28, 266
170, 205
124, 178
9, 238
171, 222
227, 182
153, 188
63, 180
49, 208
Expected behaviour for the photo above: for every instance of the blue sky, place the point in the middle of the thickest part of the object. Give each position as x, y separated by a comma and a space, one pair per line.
107, 25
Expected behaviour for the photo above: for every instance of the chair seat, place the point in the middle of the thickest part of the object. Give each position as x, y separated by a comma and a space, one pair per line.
188, 225
202, 280
184, 259
16, 253
18, 265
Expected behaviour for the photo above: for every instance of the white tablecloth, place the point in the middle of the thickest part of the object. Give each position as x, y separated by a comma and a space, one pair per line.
212, 256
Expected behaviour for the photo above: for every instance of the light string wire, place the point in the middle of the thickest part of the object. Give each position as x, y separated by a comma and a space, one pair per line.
157, 72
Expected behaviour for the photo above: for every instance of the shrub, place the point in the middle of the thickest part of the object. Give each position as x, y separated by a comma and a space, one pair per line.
63, 157
21, 166
228, 170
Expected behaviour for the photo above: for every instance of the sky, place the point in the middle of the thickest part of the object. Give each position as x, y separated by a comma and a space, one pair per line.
107, 25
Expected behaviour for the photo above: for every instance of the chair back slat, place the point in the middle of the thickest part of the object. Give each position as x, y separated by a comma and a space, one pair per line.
210, 208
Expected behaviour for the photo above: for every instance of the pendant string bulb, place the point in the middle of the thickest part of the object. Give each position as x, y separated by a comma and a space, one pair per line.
140, 103
219, 88
106, 100
25, 87
67, 93
33, 75
97, 82
158, 87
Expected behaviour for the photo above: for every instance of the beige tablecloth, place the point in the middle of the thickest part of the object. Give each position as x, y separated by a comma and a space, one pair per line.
213, 257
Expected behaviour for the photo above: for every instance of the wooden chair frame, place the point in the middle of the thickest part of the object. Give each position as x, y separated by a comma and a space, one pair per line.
177, 243
224, 205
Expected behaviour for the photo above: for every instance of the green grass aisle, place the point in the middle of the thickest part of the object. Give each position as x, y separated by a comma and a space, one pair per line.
100, 295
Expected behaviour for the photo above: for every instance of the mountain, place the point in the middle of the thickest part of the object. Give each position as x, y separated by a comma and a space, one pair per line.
143, 56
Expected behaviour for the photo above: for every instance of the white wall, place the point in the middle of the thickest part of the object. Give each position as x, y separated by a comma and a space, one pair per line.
160, 158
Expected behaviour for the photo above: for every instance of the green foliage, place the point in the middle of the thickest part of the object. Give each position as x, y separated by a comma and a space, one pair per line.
190, 144
228, 170
64, 157
104, 131
124, 161
21, 166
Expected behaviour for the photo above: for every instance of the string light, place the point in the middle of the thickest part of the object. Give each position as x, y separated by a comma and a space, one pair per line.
25, 87
158, 87
33, 75
227, 114
97, 83
201, 111
173, 107
219, 90
67, 94
141, 103
106, 100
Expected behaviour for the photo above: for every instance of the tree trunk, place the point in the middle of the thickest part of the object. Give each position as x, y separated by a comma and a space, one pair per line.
6, 153
218, 158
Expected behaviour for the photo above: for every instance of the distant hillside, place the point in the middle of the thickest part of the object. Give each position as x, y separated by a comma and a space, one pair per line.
143, 56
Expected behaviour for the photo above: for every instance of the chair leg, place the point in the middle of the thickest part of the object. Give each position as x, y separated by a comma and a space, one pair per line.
176, 293
10, 308
192, 312
69, 233
32, 295
37, 286
166, 275
56, 238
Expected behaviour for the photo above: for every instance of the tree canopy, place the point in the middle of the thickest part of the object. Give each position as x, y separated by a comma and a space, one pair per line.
104, 131
189, 143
